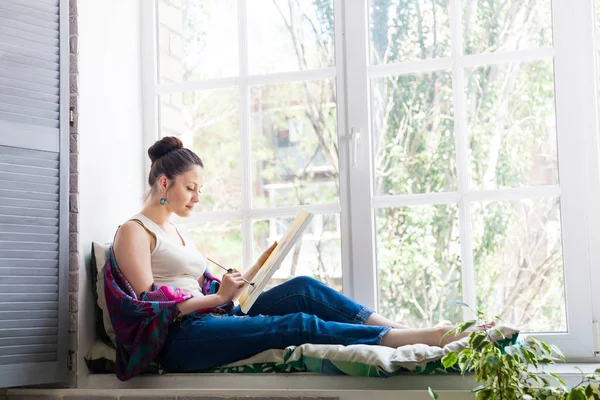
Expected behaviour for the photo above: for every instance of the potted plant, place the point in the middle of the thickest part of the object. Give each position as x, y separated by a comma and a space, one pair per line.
512, 372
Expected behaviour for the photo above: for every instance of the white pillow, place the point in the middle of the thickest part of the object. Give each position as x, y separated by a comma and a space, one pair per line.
101, 255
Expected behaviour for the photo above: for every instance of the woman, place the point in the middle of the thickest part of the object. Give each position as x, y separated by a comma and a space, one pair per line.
150, 252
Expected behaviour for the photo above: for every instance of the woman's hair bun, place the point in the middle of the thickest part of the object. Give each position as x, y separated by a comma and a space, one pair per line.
163, 147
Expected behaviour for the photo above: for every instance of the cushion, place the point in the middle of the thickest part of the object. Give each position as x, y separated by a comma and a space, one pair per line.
355, 360
361, 360
104, 329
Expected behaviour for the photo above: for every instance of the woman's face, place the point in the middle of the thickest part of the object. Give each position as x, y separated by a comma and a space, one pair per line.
183, 193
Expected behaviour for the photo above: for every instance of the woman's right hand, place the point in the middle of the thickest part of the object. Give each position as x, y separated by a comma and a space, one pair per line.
231, 282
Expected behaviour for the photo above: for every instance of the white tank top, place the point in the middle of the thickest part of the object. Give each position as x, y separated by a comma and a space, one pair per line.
172, 263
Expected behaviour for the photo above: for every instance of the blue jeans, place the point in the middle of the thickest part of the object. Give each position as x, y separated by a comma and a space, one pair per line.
301, 310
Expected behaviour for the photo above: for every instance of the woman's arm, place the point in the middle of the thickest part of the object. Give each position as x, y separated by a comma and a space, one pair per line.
132, 251
249, 276
196, 303
251, 273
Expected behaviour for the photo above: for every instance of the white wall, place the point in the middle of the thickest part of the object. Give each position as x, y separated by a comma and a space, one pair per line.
112, 156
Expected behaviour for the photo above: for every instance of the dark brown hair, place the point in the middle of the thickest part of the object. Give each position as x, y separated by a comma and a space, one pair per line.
171, 159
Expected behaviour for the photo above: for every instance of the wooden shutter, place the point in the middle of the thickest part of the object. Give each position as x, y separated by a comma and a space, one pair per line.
34, 213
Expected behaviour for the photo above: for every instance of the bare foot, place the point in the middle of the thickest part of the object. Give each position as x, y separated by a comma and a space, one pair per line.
454, 337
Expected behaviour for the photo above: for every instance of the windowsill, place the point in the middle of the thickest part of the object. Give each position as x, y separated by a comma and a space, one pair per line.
312, 381
569, 371
409, 386
282, 381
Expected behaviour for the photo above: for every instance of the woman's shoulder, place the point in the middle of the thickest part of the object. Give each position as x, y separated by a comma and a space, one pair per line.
130, 229
133, 229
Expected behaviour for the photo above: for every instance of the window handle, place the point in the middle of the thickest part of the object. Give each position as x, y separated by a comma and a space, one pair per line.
354, 138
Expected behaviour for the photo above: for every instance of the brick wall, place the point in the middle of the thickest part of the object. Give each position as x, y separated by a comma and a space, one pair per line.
74, 256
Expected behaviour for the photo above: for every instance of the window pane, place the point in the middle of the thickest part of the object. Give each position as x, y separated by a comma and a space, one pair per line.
597, 8
413, 133
317, 254
290, 35
408, 30
506, 25
208, 122
511, 125
197, 39
295, 149
418, 260
219, 241
598, 70
518, 263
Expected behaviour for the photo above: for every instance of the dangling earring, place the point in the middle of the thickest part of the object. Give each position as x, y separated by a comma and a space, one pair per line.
163, 201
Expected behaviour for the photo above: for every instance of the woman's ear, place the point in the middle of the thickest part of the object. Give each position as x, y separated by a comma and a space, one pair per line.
163, 183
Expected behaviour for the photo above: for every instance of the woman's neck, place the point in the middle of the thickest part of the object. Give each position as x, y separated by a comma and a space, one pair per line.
158, 213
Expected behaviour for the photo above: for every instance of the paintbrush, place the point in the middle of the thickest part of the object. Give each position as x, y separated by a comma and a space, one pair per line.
229, 270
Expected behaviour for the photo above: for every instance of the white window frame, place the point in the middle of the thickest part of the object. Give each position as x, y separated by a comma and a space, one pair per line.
576, 135
576, 114
592, 157
152, 89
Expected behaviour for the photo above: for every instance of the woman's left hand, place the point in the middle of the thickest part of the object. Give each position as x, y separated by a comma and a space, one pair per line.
261, 260
259, 263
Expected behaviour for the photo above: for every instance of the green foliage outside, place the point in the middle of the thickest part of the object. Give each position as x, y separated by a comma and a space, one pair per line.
510, 142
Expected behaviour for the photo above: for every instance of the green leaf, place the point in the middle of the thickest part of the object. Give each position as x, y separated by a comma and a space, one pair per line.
492, 362
558, 378
546, 347
558, 352
511, 350
530, 356
476, 339
576, 394
589, 392
464, 361
450, 332
459, 303
485, 394
432, 393
466, 352
532, 343
449, 360
500, 332
464, 326
478, 388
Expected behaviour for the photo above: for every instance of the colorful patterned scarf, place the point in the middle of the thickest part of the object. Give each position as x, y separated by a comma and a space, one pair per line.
141, 325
